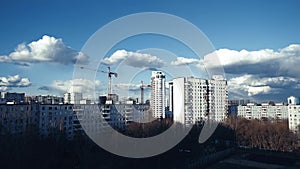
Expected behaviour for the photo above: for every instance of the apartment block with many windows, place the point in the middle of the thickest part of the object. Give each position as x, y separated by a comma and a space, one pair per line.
264, 111
158, 94
194, 100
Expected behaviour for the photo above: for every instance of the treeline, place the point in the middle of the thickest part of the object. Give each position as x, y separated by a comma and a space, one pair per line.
143, 130
263, 134
31, 151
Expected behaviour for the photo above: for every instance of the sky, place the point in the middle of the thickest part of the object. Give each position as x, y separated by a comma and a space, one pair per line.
257, 43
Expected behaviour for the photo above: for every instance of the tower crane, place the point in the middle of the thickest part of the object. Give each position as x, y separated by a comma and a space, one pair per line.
109, 75
142, 90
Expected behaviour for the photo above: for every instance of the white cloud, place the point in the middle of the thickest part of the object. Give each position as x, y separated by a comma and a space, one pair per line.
231, 57
258, 90
126, 86
3, 88
84, 86
134, 59
283, 62
5, 59
254, 85
262, 72
46, 49
184, 61
13, 81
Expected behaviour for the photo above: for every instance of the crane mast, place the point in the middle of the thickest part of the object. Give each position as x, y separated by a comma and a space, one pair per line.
109, 75
142, 90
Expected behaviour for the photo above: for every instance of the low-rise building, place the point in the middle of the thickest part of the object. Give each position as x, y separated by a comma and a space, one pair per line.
48, 99
55, 118
13, 97
52, 119
264, 111
16, 118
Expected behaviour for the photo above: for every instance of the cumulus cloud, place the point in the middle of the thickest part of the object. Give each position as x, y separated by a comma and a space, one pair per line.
46, 49
266, 62
126, 87
13, 81
46, 88
184, 61
87, 87
254, 85
134, 59
264, 73
258, 90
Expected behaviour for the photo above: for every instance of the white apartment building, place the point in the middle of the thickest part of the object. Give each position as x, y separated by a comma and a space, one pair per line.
48, 99
294, 114
189, 103
217, 98
158, 94
193, 100
72, 98
264, 111
294, 117
293, 100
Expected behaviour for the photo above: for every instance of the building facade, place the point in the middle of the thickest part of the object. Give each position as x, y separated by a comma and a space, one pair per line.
13, 97
195, 99
217, 98
292, 100
72, 98
294, 114
158, 94
294, 118
189, 100
15, 118
47, 99
55, 118
52, 119
264, 111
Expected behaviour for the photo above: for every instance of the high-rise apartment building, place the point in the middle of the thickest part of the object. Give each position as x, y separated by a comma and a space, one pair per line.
217, 98
196, 99
158, 94
189, 97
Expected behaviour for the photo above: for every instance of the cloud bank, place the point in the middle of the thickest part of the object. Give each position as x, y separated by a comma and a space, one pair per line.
256, 73
6, 83
134, 59
254, 85
84, 86
46, 49
265, 62
184, 61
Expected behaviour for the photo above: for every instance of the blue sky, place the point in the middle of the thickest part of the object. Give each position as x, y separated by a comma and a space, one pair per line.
233, 25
